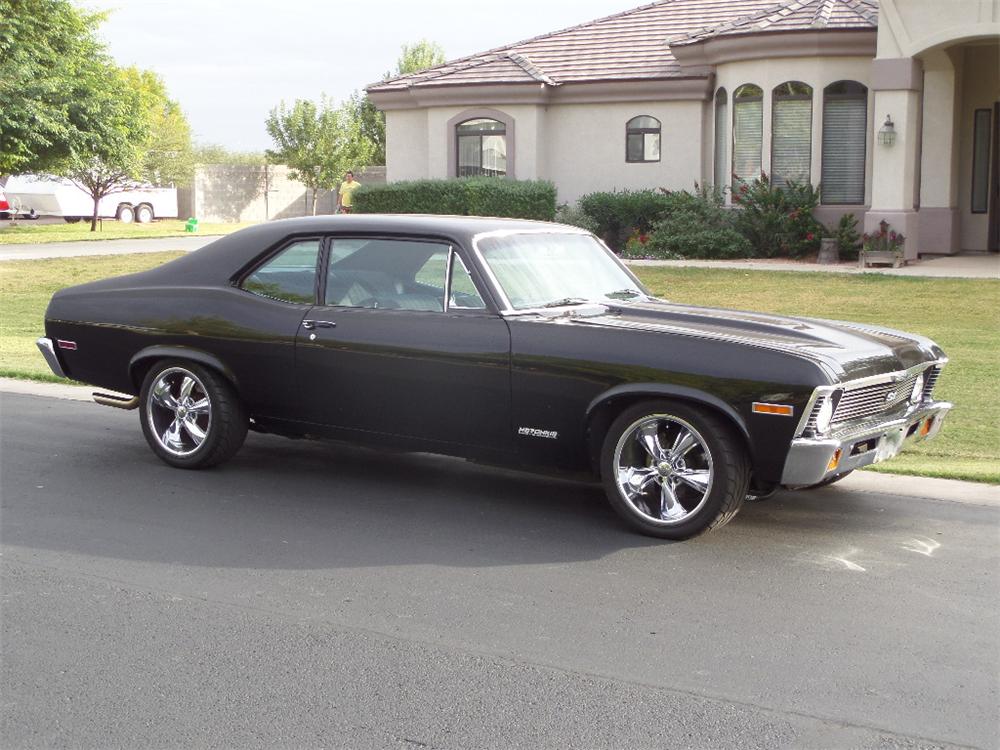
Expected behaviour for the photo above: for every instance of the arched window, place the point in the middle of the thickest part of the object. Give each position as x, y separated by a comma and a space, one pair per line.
748, 132
791, 133
642, 139
721, 139
845, 130
482, 148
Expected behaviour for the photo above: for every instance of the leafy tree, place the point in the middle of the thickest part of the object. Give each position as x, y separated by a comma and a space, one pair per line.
52, 83
371, 123
317, 142
168, 152
214, 153
419, 56
412, 59
112, 160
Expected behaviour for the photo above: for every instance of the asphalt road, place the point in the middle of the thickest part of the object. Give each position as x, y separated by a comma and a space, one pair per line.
310, 595
41, 250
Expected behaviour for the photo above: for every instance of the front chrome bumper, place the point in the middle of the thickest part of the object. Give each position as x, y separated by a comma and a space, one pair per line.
811, 460
48, 350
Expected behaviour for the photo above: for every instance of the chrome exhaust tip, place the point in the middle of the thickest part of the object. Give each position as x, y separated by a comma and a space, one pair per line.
118, 402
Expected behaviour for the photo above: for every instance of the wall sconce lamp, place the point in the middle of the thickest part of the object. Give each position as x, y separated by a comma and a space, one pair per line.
887, 134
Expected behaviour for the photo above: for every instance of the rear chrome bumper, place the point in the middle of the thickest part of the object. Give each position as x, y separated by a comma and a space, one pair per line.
811, 460
48, 350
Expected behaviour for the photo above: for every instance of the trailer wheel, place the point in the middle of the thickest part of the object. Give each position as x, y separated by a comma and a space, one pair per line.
72, 219
126, 214
144, 213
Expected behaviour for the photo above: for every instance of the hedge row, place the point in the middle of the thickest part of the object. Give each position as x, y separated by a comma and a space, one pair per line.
475, 196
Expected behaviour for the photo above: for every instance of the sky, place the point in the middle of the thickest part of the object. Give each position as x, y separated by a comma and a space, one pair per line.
228, 62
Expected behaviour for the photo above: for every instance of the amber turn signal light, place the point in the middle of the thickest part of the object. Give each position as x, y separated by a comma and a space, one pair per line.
835, 461
925, 428
782, 409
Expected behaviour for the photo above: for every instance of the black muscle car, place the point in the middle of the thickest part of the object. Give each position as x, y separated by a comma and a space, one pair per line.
512, 342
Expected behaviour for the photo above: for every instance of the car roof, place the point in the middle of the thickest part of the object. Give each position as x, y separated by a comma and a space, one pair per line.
219, 260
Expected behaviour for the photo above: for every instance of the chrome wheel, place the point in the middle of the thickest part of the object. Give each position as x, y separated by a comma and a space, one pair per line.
179, 411
664, 469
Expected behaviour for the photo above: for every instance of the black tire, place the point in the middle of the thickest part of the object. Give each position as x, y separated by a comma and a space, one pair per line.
828, 481
125, 214
72, 219
718, 460
144, 213
223, 425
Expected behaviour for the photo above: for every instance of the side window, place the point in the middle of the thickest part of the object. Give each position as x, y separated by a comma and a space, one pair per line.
387, 274
464, 295
290, 276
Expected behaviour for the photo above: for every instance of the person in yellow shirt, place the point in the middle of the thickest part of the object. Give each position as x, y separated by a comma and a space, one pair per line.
345, 196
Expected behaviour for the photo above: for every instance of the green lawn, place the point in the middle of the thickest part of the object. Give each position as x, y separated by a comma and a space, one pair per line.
25, 232
963, 316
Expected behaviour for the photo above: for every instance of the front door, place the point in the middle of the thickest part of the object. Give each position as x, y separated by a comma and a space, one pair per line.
404, 345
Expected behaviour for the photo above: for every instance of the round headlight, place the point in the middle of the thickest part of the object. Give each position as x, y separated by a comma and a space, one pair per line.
918, 390
825, 415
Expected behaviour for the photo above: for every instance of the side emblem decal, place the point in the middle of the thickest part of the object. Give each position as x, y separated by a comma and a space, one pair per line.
532, 432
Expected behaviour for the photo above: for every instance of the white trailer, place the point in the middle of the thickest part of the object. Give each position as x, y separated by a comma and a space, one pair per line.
60, 197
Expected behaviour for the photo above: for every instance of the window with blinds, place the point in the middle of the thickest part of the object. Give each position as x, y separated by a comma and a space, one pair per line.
791, 133
721, 141
845, 131
482, 148
748, 132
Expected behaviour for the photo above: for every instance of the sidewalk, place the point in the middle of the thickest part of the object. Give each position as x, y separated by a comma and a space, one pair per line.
42, 250
951, 490
970, 266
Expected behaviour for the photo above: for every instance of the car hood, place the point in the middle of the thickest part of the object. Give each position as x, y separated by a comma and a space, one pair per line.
846, 351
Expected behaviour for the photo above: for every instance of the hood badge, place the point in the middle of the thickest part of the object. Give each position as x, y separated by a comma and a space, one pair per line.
890, 397
534, 432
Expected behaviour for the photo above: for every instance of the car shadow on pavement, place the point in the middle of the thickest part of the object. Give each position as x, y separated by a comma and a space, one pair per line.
298, 504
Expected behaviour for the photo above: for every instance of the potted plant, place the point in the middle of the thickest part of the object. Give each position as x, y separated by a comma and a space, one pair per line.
883, 246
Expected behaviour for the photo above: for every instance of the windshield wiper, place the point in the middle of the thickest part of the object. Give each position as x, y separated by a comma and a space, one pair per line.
567, 301
625, 293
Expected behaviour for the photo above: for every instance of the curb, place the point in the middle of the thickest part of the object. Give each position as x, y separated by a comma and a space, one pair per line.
951, 490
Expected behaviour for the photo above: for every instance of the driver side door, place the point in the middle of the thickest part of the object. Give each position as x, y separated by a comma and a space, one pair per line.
403, 344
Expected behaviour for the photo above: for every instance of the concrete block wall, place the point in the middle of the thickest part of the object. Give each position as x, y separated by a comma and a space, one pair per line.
221, 193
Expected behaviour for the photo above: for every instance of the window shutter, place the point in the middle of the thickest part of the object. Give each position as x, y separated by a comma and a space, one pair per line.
845, 126
721, 155
791, 141
748, 120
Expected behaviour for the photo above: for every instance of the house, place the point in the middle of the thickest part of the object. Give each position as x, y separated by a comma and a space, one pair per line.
892, 106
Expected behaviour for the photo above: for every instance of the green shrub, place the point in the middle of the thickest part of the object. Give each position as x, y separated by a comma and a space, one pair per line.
575, 217
777, 221
618, 214
694, 225
847, 236
477, 196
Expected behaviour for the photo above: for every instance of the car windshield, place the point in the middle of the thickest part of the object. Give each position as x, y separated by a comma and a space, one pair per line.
549, 270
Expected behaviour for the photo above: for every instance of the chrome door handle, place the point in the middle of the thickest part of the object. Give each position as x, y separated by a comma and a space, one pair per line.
312, 325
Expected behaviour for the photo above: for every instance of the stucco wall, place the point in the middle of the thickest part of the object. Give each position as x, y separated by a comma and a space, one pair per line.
910, 27
406, 144
585, 147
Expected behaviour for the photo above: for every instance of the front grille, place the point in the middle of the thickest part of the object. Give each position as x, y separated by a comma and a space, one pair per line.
932, 376
873, 399
814, 414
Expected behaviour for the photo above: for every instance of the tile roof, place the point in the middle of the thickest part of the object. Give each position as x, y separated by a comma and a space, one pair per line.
793, 15
633, 45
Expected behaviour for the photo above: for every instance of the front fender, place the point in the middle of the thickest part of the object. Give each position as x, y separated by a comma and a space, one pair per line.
601, 411
177, 352
666, 390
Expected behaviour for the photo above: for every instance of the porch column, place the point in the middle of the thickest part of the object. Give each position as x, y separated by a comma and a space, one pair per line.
897, 84
939, 219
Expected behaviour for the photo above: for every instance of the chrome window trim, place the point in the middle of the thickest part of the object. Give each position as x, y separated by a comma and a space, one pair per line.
852, 385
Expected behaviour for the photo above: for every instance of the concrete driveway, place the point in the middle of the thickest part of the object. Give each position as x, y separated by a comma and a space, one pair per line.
310, 595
